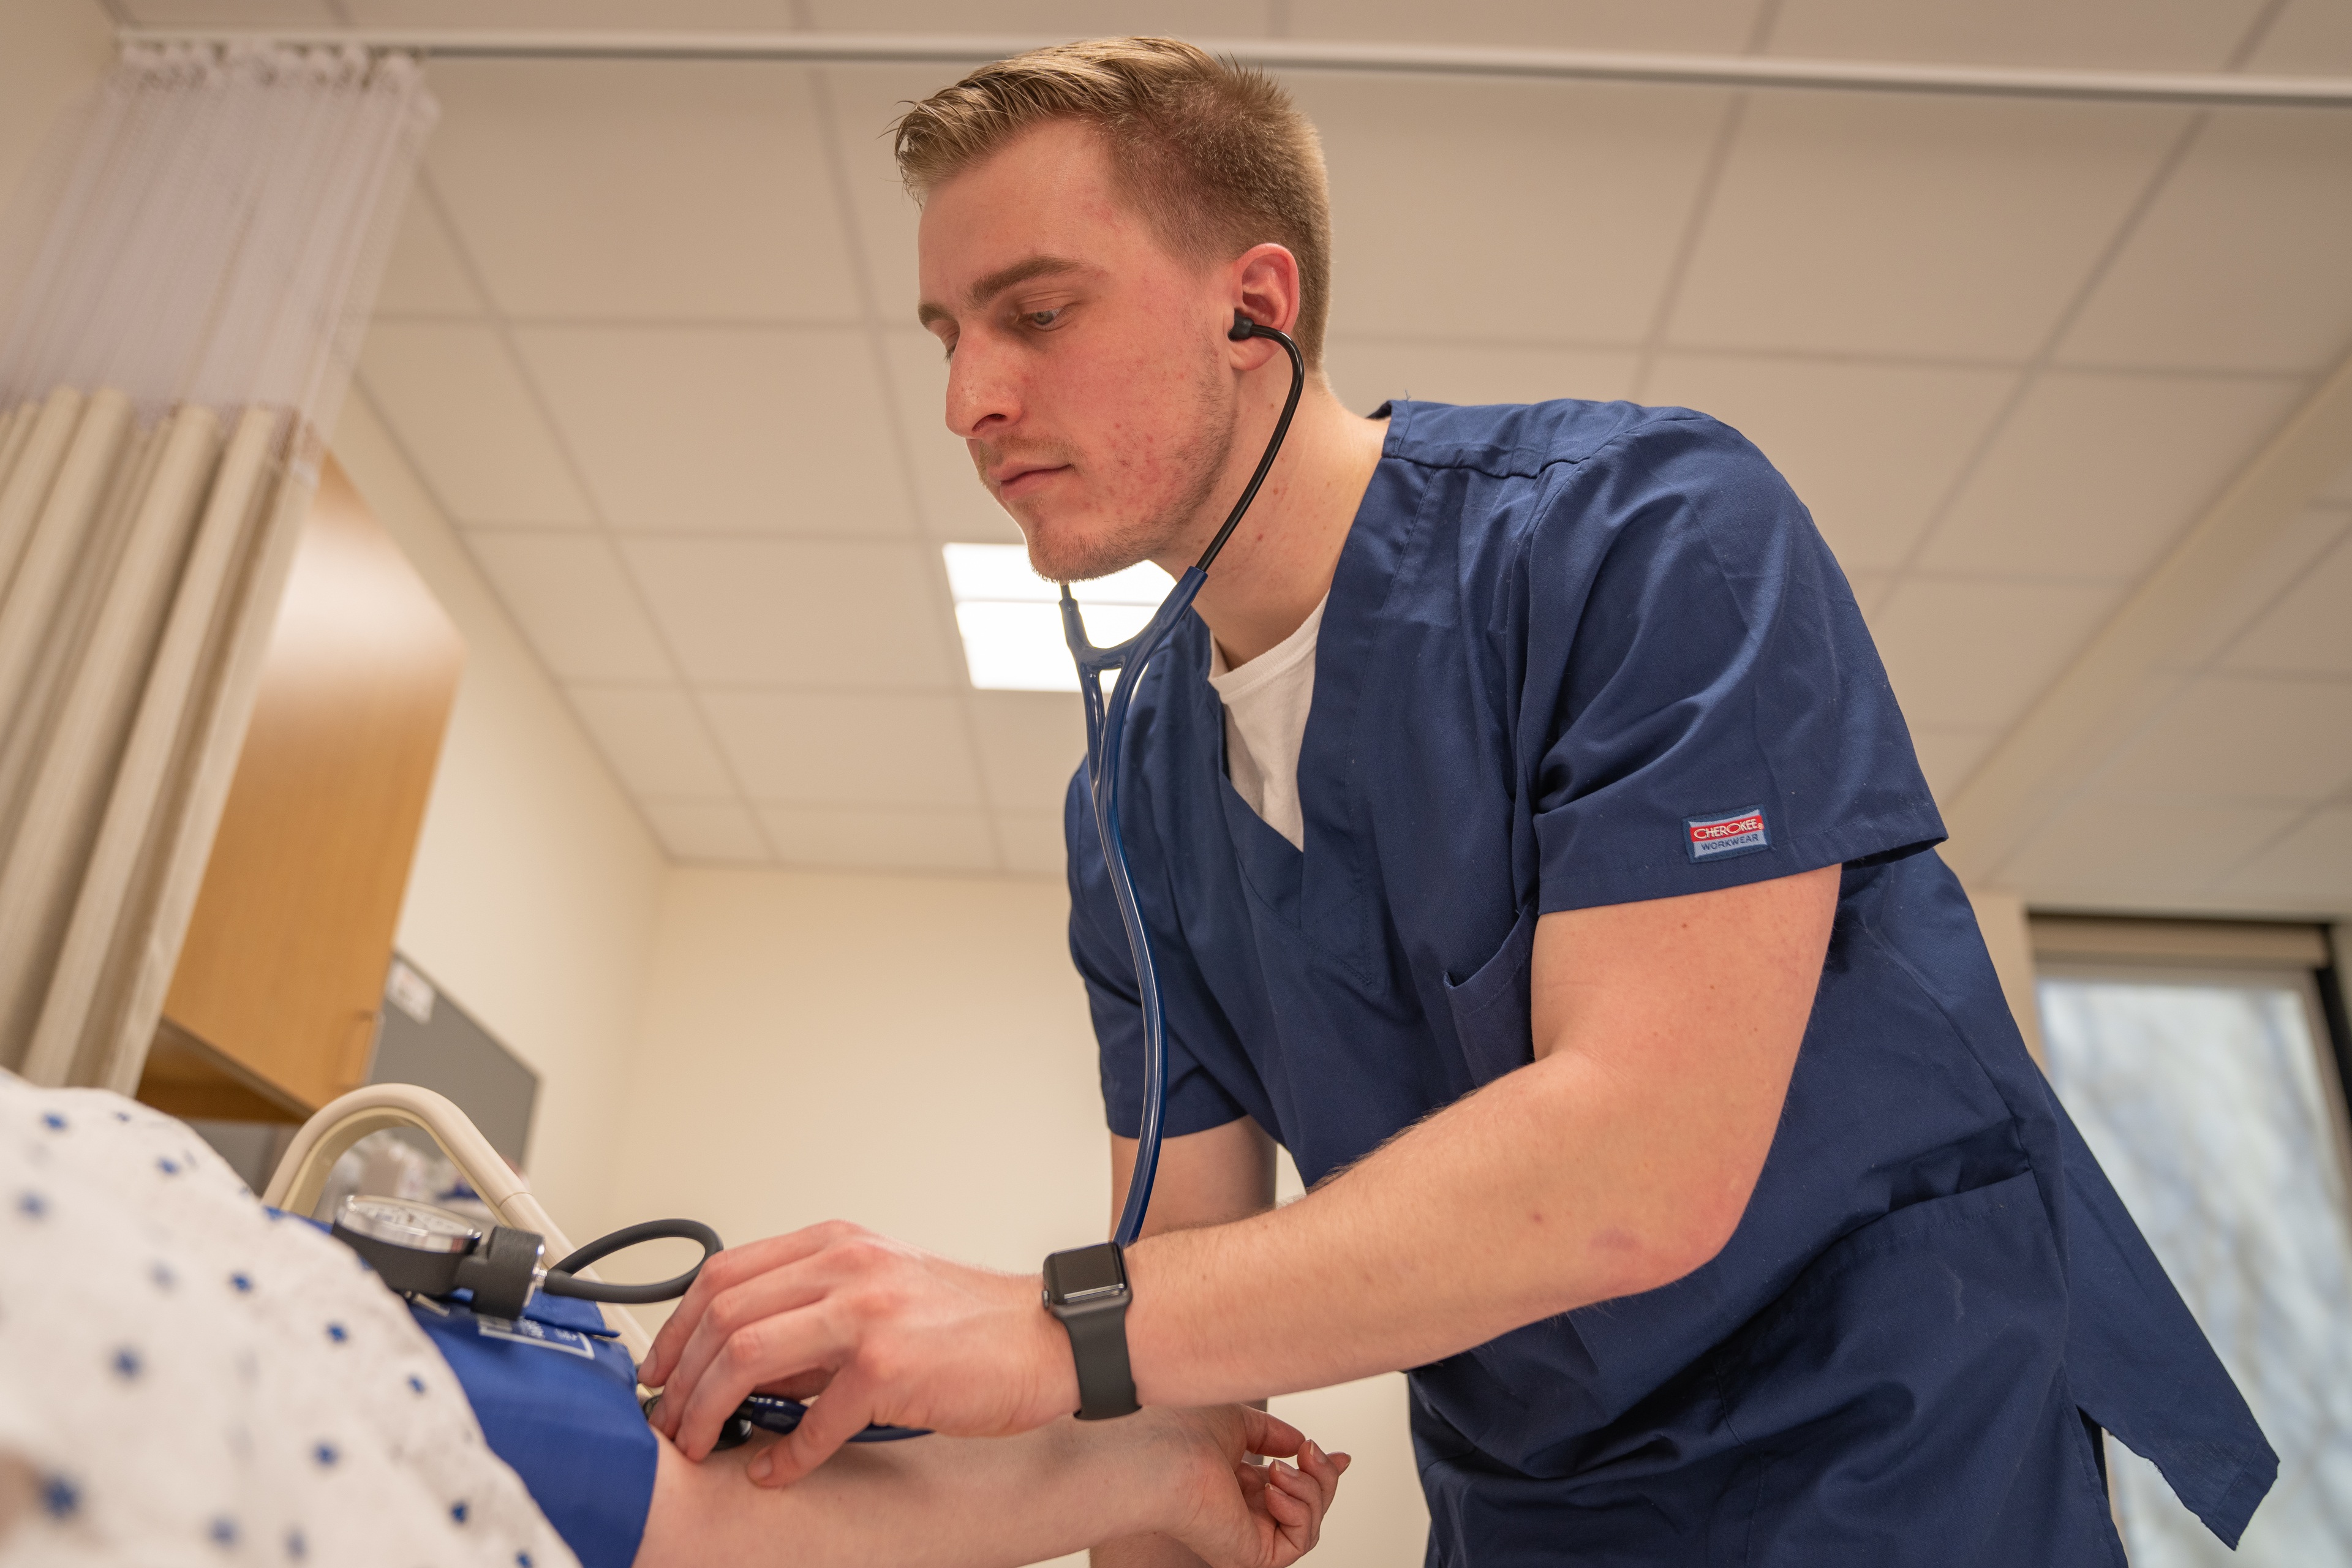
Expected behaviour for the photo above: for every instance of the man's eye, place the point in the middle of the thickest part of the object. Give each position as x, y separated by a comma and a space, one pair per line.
1041, 319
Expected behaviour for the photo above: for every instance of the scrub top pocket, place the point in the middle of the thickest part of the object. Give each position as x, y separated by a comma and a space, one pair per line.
1493, 1017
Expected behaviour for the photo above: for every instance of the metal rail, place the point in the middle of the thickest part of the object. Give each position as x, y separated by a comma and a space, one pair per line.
2207, 88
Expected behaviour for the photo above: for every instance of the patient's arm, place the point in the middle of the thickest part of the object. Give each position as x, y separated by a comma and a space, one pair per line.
947, 1502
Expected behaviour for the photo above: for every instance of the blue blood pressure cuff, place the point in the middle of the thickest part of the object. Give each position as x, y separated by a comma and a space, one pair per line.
556, 1395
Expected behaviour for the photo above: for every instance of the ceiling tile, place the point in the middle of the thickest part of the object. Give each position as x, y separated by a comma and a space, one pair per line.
1506, 210
707, 831
2245, 260
2243, 739
2094, 476
655, 741
1032, 842
748, 16
231, 12
891, 840
422, 276
867, 100
830, 748
1030, 744
1870, 449
2114, 35
2233, 608
635, 188
726, 430
1700, 27
2313, 861
1873, 224
2126, 848
1045, 19
1949, 756
459, 406
954, 504
1966, 653
799, 612
2311, 37
1367, 373
2309, 632
573, 600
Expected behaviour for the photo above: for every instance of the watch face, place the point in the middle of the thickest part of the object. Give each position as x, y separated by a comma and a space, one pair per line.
1087, 1271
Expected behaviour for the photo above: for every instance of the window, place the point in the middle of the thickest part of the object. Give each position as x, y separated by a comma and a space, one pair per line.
2200, 1064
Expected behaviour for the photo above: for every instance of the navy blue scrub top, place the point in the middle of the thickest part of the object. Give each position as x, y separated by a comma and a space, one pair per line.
1583, 654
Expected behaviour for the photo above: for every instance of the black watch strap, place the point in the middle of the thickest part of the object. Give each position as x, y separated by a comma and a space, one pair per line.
1087, 1289
1098, 1345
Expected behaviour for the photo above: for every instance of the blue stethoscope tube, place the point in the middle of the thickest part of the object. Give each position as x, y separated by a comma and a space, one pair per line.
1106, 746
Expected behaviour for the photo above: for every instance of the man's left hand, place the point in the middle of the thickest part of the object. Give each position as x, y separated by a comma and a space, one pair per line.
885, 1332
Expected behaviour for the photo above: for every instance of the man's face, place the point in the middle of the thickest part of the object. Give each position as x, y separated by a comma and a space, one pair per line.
1086, 370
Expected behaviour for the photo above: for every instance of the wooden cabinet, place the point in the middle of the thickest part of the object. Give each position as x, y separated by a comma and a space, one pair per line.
273, 1005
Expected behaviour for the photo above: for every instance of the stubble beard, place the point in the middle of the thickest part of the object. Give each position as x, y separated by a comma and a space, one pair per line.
1197, 465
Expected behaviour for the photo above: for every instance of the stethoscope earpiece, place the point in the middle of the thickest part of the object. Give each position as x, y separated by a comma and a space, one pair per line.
1242, 329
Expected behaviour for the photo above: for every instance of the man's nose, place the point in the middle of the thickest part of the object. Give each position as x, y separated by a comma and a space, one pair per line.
982, 398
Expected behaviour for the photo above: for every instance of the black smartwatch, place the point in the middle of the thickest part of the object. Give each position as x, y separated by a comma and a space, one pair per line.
1086, 1288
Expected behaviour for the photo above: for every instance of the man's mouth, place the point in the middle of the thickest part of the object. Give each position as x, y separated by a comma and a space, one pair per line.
1019, 479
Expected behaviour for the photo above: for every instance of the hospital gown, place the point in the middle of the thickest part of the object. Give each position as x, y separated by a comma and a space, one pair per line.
185, 1379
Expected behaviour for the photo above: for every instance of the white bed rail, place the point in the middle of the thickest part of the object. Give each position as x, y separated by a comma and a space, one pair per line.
327, 1137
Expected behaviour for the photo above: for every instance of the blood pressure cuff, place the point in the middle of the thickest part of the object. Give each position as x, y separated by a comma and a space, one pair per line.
556, 1396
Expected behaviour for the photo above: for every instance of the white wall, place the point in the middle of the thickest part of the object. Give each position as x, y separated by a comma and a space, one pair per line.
533, 894
914, 1054
51, 51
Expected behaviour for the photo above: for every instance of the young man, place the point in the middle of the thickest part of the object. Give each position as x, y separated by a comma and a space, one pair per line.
1531, 843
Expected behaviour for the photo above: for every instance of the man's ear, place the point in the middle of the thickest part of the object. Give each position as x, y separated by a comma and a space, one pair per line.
1266, 288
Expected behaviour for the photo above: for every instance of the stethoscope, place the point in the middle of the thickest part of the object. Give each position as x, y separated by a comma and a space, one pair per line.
1106, 744
421, 1250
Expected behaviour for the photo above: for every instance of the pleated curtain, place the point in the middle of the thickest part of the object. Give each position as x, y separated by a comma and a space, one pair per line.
182, 290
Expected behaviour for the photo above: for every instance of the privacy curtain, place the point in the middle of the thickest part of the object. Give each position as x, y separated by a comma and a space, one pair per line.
182, 290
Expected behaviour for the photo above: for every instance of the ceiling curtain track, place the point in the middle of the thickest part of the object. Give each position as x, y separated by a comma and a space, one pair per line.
2198, 89
183, 286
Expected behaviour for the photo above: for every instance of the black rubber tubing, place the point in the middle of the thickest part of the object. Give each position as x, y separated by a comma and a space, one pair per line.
559, 1281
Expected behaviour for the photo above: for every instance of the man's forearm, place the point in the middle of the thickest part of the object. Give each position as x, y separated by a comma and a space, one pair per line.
1498, 1211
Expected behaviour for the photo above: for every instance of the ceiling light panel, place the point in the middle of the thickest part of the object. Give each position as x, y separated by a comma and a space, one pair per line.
1011, 618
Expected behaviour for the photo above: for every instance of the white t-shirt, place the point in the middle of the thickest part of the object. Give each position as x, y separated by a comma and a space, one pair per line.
1266, 719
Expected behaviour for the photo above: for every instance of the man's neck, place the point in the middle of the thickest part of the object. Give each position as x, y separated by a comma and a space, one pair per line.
1278, 565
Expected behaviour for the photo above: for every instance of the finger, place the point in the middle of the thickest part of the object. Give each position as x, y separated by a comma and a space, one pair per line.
802, 1386
1321, 1472
776, 1291
1290, 1498
1269, 1434
760, 1351
1308, 1497
722, 1272
732, 1314
832, 1421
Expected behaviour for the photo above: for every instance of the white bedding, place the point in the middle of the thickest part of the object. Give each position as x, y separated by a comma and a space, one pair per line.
186, 1380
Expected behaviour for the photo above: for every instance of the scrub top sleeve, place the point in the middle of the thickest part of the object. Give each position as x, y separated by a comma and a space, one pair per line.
1098, 947
1708, 706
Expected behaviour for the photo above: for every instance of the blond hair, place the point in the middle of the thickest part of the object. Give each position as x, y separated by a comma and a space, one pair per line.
1216, 158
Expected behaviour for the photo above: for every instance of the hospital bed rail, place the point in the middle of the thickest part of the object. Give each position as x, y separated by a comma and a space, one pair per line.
302, 1176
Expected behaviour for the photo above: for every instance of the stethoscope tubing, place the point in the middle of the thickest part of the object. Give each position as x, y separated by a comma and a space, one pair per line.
1106, 748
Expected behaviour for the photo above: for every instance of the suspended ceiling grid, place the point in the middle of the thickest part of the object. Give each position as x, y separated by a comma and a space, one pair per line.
648, 339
